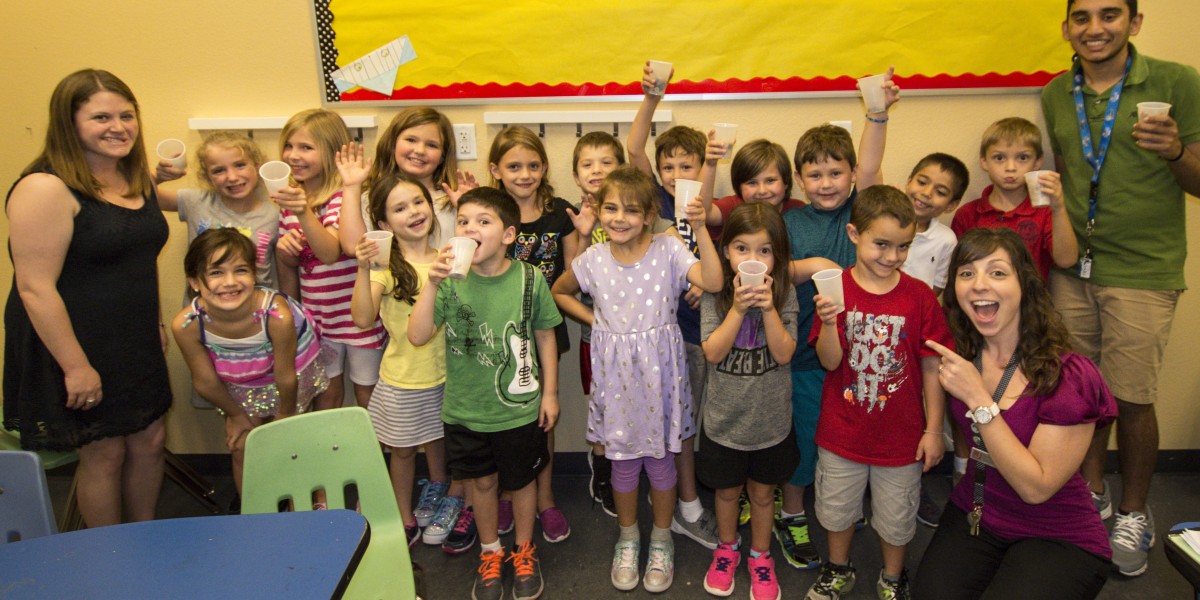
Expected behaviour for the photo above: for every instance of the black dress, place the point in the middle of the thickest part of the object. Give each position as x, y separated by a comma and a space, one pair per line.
109, 283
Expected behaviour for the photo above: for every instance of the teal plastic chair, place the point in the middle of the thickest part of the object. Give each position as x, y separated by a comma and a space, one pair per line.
25, 509
289, 459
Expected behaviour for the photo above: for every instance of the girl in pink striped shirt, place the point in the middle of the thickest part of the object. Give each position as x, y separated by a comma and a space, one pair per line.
311, 261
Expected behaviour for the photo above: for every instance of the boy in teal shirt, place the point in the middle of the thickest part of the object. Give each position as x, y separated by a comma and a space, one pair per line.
826, 168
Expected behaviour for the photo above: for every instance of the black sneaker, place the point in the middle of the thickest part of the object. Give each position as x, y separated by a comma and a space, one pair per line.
893, 590
488, 586
798, 549
928, 511
833, 583
527, 573
606, 498
463, 536
596, 462
600, 483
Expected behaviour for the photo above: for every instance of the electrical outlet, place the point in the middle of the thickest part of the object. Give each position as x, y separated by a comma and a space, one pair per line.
464, 141
847, 125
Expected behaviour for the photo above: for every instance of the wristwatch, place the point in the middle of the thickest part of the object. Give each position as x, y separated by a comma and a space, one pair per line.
984, 414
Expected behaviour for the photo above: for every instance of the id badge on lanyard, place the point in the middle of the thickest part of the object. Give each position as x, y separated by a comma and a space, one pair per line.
1094, 158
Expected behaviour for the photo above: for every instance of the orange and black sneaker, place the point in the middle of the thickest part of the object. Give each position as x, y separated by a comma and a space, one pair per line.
489, 586
527, 573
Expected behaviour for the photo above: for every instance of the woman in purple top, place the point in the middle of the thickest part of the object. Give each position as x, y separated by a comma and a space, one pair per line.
1021, 523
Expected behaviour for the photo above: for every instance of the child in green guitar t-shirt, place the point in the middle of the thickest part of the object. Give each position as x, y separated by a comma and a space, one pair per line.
498, 404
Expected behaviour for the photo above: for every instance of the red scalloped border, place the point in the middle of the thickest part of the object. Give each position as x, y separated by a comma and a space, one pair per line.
757, 85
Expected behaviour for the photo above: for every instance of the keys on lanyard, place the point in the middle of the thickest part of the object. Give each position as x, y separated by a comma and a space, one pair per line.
1094, 158
974, 517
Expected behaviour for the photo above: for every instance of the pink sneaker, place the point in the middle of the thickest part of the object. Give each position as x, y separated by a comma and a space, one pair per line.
554, 525
719, 579
763, 584
504, 522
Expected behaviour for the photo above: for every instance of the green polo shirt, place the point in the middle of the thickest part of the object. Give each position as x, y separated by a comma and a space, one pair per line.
1140, 239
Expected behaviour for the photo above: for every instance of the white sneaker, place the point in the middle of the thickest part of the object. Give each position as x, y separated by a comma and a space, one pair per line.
1131, 540
625, 565
660, 567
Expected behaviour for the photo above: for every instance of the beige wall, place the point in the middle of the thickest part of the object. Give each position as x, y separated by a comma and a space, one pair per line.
221, 58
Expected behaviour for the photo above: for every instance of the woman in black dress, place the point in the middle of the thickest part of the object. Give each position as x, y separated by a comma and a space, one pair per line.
84, 365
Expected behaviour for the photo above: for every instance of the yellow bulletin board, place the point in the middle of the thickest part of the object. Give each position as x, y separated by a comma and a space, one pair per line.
383, 51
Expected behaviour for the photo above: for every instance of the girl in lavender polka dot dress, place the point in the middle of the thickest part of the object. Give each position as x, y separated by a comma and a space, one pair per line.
640, 407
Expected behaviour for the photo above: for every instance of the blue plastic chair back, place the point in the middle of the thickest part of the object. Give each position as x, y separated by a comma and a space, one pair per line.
25, 509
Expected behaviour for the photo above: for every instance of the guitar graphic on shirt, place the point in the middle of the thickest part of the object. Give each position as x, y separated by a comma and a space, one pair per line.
515, 379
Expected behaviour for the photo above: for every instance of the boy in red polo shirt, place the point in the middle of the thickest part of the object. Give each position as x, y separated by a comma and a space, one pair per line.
1011, 148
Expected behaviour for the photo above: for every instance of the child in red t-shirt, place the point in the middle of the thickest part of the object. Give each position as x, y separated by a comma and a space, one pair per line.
881, 405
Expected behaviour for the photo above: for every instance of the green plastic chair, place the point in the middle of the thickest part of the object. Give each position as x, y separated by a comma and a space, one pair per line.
291, 458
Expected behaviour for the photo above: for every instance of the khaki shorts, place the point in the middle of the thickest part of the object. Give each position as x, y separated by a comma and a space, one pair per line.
842, 483
1123, 330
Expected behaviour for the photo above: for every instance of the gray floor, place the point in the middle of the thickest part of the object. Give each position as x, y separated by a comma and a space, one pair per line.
578, 567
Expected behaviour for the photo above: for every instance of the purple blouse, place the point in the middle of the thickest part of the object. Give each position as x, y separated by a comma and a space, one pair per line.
1069, 515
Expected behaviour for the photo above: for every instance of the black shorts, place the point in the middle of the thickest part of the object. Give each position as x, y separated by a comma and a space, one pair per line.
516, 455
721, 467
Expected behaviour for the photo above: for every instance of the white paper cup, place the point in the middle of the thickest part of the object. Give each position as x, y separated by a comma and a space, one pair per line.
872, 93
685, 190
662, 72
829, 284
275, 175
383, 241
725, 133
753, 272
173, 151
1036, 197
1153, 109
464, 250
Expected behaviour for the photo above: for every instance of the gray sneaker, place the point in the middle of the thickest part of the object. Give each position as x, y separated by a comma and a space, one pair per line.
527, 574
1131, 540
1103, 502
489, 585
702, 530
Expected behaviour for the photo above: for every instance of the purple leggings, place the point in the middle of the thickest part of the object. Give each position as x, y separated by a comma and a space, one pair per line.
661, 472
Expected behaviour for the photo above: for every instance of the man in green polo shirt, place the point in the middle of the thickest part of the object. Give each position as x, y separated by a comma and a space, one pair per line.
1124, 181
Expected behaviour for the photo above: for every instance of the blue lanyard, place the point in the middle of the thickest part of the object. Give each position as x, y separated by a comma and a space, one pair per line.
1085, 135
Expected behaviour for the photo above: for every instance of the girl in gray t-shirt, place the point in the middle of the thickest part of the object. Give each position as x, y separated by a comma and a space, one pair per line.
748, 333
229, 196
